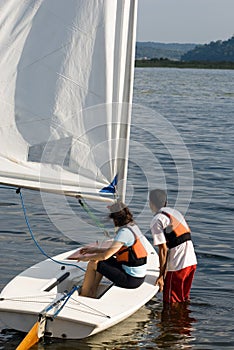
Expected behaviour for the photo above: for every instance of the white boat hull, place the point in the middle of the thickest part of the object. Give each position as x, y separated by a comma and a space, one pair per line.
24, 298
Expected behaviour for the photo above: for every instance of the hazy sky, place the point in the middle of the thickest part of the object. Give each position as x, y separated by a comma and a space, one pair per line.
192, 21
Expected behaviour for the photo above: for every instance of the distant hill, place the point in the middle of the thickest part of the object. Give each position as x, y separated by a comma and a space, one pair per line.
173, 51
219, 51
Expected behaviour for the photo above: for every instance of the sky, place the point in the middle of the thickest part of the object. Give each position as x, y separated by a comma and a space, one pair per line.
185, 21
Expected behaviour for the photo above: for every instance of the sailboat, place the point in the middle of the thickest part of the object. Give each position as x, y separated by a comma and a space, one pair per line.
66, 91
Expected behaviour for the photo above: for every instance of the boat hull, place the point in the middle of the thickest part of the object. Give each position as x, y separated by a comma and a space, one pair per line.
29, 293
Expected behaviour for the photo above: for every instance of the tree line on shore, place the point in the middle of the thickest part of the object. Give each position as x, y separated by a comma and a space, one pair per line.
219, 54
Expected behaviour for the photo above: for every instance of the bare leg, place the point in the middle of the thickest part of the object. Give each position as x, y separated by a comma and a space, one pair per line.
91, 280
97, 281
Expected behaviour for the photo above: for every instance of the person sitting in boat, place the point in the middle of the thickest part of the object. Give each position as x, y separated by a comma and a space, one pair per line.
124, 262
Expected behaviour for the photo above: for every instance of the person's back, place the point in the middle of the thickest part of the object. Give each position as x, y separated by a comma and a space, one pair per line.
183, 254
172, 235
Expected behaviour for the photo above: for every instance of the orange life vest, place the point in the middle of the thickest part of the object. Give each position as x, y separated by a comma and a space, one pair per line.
135, 255
176, 233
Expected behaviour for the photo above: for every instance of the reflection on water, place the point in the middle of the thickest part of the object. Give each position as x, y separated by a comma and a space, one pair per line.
170, 326
176, 326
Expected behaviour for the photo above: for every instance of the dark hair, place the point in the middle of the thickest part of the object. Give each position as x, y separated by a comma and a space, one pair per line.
120, 214
158, 198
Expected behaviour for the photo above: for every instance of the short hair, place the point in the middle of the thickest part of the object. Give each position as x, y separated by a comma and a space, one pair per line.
158, 198
120, 214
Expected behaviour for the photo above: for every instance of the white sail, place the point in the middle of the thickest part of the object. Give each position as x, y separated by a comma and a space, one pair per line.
66, 69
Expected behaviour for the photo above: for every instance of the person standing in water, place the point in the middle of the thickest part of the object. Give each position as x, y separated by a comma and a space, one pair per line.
177, 257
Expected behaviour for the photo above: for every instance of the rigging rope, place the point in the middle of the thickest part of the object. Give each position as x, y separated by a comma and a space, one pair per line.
100, 313
92, 216
68, 295
35, 241
18, 191
65, 297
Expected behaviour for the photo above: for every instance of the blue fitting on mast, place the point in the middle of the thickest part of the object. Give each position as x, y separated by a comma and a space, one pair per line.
112, 186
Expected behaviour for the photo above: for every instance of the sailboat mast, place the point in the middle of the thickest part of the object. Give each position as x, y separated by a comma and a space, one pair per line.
129, 87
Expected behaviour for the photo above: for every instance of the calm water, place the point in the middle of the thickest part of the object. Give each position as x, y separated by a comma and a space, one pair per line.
182, 140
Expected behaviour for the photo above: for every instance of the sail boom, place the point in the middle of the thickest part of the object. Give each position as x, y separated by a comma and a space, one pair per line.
69, 192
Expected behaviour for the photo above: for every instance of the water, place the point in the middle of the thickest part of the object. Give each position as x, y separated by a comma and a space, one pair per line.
193, 126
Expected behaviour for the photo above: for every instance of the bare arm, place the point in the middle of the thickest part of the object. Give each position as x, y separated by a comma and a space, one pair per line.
92, 250
163, 265
100, 253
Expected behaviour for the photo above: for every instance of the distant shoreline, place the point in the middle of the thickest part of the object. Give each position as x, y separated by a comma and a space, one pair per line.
179, 64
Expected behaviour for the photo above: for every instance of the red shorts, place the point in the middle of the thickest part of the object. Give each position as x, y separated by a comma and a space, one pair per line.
177, 285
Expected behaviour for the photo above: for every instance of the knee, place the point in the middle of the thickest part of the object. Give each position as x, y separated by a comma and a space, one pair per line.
92, 265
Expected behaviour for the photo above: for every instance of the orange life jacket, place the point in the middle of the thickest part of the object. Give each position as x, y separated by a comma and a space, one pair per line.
135, 255
176, 233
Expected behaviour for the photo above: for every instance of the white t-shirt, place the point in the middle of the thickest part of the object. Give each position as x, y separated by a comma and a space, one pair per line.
126, 237
178, 257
